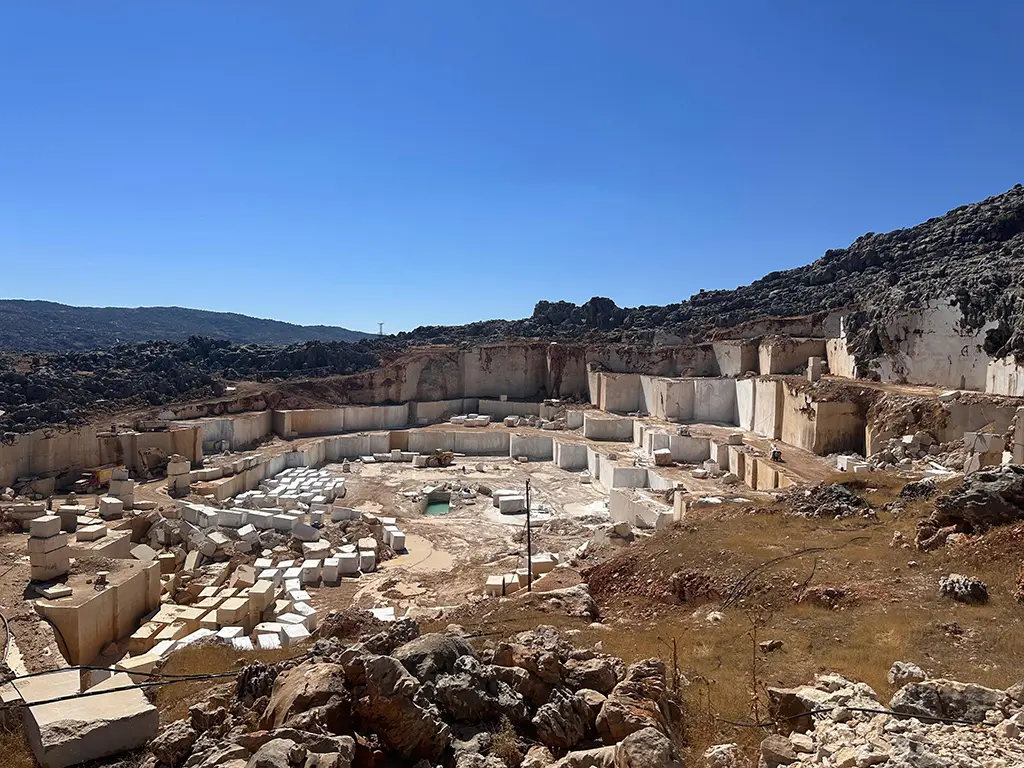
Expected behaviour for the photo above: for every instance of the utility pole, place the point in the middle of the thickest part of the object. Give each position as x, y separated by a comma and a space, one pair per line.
529, 542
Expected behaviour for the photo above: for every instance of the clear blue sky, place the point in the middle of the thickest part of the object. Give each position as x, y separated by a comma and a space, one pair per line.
419, 162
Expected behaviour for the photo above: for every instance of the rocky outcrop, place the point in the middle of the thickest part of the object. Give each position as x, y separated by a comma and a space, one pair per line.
639, 701
564, 721
308, 696
951, 699
383, 693
963, 589
846, 737
523, 701
430, 655
983, 500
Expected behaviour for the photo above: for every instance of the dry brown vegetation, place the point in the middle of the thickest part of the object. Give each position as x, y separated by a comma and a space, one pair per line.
892, 609
174, 700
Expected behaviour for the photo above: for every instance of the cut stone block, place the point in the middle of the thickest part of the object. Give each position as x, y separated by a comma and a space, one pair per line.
348, 563
242, 644
47, 545
91, 532
111, 508
75, 731
511, 504
308, 613
272, 575
230, 633
304, 532
233, 611
367, 561
44, 527
261, 595
268, 642
143, 639
316, 550
144, 553
138, 667
54, 592
293, 634
49, 565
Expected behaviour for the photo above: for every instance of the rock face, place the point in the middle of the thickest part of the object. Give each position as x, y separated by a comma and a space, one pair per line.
635, 703
384, 692
974, 254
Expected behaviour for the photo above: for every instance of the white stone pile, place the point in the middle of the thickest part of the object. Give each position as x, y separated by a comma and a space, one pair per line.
249, 613
842, 737
920, 451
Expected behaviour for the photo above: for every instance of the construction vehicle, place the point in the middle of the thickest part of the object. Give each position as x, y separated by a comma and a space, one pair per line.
93, 479
440, 458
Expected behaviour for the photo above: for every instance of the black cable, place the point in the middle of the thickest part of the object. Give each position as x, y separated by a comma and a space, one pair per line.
94, 692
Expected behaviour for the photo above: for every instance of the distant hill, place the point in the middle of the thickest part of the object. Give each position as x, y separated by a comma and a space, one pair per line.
44, 326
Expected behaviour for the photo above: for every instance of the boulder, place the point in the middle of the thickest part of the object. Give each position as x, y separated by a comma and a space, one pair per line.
432, 654
724, 756
537, 756
963, 589
174, 743
949, 698
646, 748
602, 757
903, 672
564, 721
777, 750
598, 674
634, 703
307, 694
278, 753
474, 692
383, 703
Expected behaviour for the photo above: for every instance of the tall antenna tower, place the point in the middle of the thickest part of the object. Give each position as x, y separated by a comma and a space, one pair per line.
380, 329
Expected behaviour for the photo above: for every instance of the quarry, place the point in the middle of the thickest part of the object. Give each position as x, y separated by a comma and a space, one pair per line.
770, 544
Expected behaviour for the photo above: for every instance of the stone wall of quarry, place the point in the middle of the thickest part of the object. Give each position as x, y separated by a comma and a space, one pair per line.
51, 452
679, 384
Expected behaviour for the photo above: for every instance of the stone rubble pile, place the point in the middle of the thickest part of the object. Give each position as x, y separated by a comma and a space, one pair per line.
433, 700
919, 451
983, 500
827, 730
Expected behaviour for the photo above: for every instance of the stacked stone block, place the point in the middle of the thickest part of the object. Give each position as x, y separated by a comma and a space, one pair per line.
178, 475
48, 551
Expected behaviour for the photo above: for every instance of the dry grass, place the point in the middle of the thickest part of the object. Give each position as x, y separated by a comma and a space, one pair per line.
174, 700
15, 749
895, 611
504, 744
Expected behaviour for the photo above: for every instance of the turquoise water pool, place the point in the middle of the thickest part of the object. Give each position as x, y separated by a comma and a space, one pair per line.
437, 508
